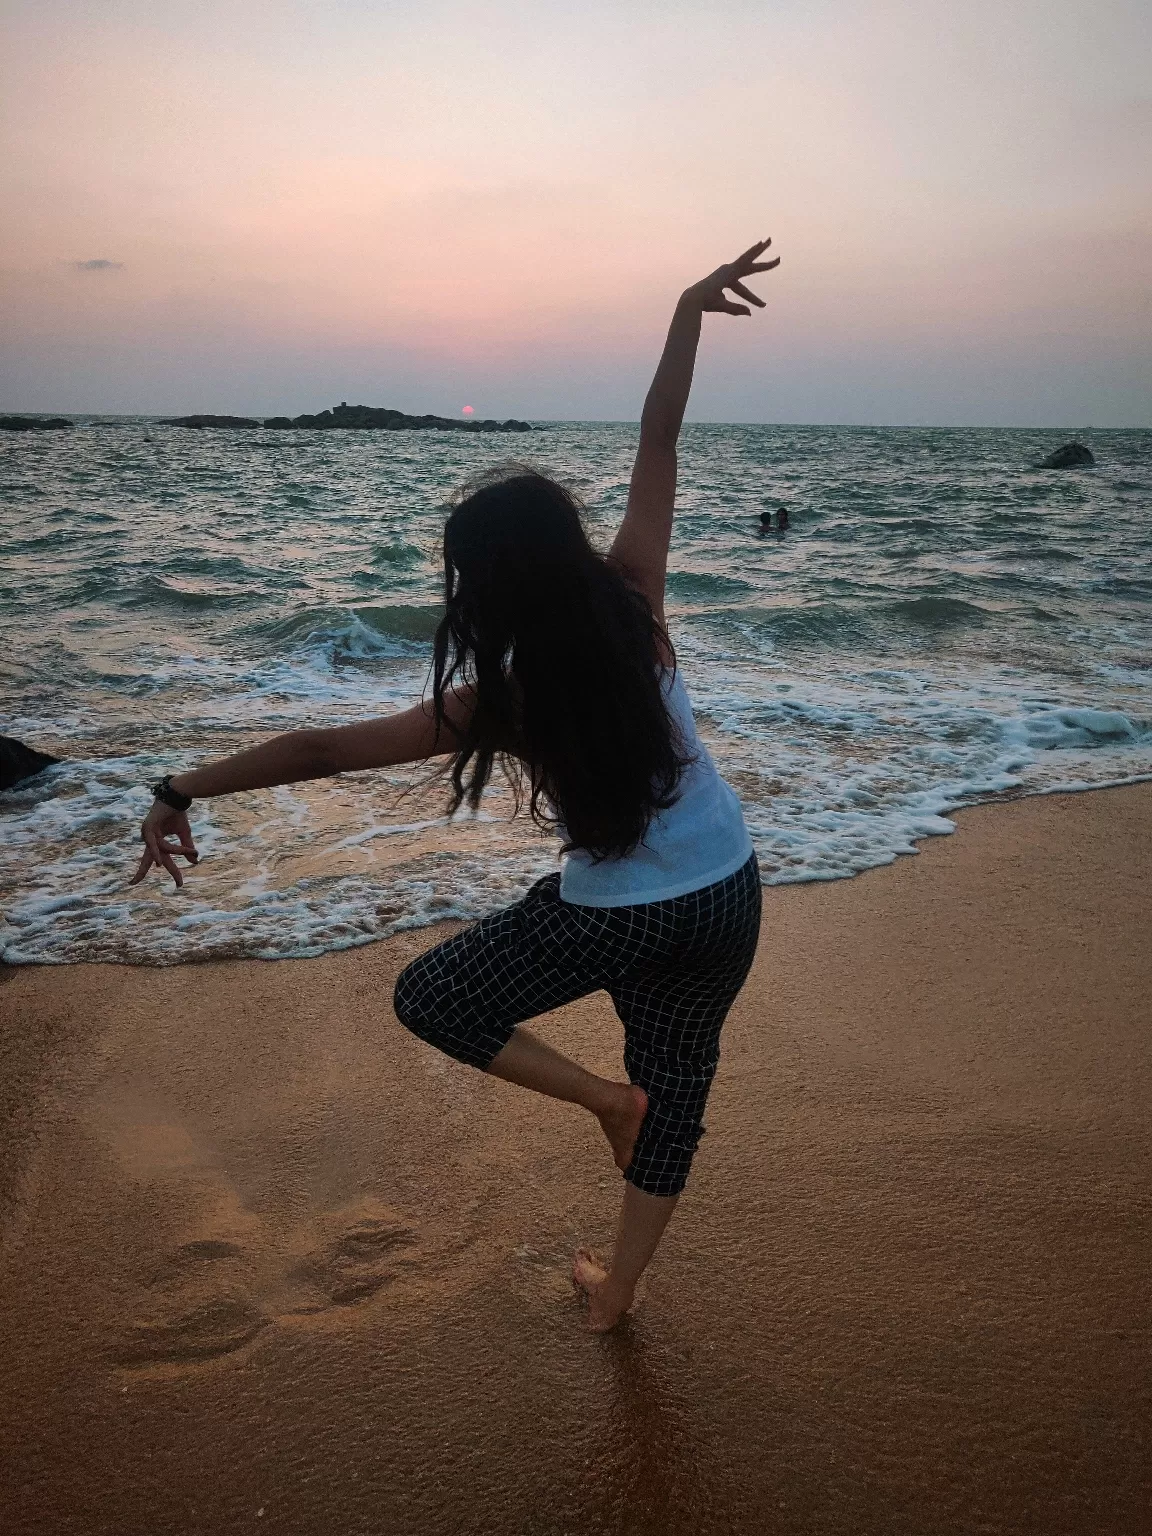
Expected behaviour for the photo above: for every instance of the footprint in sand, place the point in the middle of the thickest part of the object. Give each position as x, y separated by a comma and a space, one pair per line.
542, 1279
213, 1295
214, 1315
217, 1327
190, 1256
363, 1249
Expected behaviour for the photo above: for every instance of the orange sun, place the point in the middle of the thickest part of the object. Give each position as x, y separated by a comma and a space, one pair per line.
468, 410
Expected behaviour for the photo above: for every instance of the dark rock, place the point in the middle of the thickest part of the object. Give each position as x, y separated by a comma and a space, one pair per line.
369, 418
19, 762
1071, 456
35, 424
209, 421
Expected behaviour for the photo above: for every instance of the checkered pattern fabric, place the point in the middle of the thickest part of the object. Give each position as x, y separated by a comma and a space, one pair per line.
672, 968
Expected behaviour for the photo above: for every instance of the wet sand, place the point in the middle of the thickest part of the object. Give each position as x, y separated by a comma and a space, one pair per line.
270, 1264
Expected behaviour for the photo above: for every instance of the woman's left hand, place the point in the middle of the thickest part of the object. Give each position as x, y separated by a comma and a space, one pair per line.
709, 296
160, 825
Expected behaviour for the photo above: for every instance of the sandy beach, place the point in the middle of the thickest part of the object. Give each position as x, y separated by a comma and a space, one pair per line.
271, 1264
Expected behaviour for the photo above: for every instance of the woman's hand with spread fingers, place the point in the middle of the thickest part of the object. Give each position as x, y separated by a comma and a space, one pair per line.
159, 827
709, 294
640, 547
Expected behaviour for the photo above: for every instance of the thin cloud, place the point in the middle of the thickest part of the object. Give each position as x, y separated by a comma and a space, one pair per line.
97, 264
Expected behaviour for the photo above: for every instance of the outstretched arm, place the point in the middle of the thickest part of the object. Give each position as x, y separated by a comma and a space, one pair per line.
407, 737
641, 545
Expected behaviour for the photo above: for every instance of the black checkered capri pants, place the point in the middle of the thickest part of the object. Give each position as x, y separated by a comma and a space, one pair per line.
672, 968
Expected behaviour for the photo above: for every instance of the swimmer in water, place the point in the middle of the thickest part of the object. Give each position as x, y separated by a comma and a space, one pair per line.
766, 522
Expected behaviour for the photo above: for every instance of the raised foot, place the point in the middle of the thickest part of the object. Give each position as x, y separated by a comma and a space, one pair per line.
622, 1120
606, 1305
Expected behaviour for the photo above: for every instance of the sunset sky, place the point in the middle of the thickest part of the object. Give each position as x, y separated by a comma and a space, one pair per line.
274, 205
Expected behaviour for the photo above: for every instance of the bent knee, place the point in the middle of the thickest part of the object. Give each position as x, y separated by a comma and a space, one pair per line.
436, 1014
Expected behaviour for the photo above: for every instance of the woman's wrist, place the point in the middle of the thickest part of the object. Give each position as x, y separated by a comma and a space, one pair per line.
164, 792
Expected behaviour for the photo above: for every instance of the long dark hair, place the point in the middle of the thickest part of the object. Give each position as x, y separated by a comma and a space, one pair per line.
565, 660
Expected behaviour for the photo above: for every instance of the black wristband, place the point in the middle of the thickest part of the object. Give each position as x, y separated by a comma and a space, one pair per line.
163, 790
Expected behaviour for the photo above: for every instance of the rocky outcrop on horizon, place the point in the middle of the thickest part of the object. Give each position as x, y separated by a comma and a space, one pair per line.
35, 424
1071, 456
208, 421
353, 418
370, 418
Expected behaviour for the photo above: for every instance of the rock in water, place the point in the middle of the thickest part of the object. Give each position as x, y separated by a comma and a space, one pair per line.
209, 421
1071, 456
34, 424
19, 762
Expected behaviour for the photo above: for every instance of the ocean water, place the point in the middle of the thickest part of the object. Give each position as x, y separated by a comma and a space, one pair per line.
943, 624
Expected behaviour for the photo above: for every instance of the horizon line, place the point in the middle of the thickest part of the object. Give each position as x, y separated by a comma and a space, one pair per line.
625, 421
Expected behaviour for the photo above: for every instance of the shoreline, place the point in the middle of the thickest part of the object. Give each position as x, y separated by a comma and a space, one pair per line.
265, 1250
920, 841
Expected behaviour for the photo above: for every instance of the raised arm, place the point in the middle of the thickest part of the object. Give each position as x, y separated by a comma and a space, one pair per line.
641, 544
407, 737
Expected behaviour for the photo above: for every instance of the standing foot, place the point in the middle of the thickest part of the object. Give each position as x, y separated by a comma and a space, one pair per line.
621, 1121
606, 1304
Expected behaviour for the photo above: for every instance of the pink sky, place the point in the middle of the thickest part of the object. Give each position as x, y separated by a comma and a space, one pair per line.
422, 204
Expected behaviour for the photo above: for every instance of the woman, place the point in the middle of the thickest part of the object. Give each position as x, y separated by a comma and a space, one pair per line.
554, 661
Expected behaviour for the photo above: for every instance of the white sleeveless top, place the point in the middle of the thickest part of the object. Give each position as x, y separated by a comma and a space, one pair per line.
699, 839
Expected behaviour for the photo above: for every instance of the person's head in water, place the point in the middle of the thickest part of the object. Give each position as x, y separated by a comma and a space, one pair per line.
781, 517
565, 659
765, 519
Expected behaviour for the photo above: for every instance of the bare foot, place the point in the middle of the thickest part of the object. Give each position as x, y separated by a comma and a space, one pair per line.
622, 1120
606, 1306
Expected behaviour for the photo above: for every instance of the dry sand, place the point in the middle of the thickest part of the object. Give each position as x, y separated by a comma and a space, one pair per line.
272, 1265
